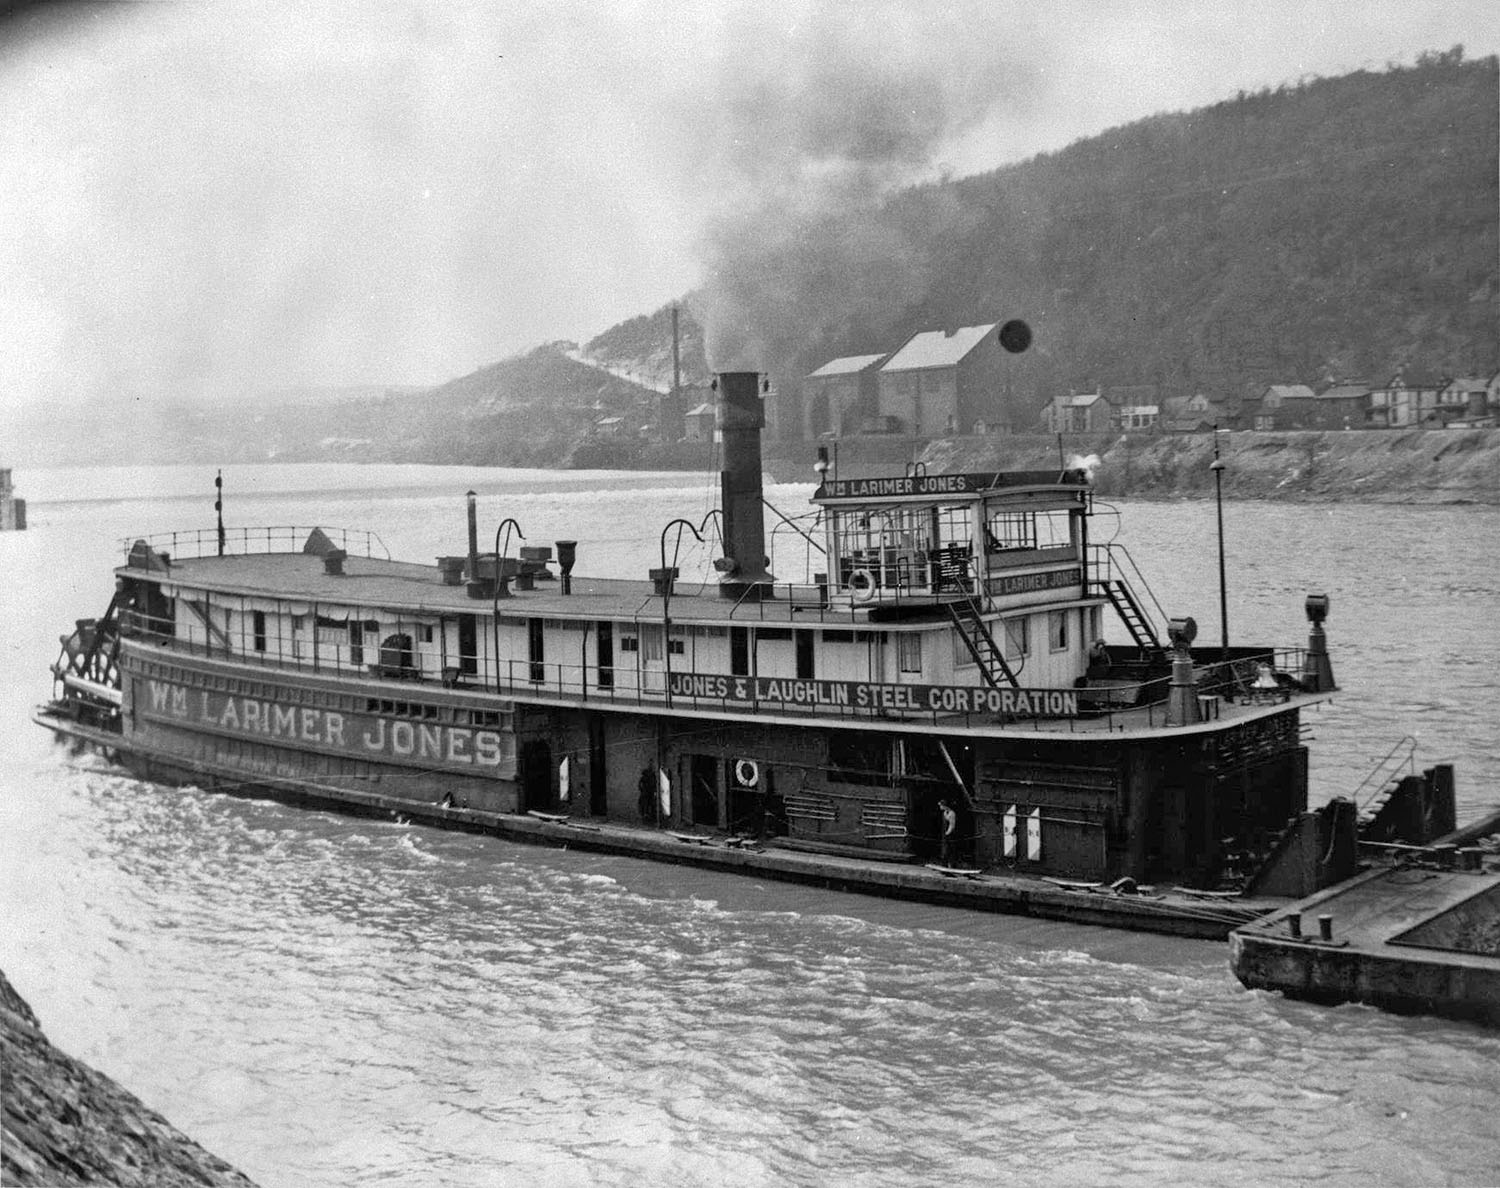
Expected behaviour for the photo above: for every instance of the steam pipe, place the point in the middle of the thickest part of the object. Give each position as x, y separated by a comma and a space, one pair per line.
666, 588
473, 537
505, 526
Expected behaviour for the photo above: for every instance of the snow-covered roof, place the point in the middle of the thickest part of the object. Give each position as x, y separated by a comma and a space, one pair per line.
848, 365
1344, 392
1081, 401
937, 348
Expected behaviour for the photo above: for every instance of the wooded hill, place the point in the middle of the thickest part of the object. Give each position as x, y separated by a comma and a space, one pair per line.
1338, 228
1342, 227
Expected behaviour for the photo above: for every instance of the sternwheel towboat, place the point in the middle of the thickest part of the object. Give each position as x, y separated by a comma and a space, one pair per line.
933, 713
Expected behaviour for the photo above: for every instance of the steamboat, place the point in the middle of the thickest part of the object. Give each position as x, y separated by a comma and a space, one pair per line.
932, 713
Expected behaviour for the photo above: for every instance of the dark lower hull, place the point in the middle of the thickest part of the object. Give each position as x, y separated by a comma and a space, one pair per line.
1176, 914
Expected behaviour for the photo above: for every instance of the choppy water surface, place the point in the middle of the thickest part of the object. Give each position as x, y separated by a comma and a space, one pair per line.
325, 1000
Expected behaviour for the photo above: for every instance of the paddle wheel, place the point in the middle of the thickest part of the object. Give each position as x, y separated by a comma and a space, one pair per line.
87, 673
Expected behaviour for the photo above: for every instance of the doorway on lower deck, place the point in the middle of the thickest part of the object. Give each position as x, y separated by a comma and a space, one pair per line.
703, 778
745, 780
536, 777
598, 772
939, 772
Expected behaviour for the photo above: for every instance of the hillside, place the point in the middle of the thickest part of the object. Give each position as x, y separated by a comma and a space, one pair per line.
533, 410
1397, 466
1342, 227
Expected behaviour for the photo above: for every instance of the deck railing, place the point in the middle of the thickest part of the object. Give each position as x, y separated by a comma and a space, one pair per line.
204, 542
1119, 706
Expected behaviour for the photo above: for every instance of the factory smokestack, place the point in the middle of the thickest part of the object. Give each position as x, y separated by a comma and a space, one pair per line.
741, 418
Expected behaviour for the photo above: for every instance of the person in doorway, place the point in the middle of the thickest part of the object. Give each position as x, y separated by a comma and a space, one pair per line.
947, 840
646, 800
1098, 659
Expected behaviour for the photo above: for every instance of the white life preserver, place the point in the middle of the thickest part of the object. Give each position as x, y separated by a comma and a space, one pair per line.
861, 585
747, 772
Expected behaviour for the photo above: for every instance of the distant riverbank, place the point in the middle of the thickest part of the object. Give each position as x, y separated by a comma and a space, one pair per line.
1371, 466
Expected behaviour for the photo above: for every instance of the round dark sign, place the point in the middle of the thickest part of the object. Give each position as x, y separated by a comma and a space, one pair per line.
1015, 336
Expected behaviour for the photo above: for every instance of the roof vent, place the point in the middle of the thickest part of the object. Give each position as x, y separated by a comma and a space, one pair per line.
333, 562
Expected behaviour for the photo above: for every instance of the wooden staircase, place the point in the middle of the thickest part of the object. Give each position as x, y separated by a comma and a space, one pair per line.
1132, 614
981, 644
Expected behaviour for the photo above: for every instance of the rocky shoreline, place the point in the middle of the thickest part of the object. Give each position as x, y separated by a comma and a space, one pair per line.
1407, 466
62, 1122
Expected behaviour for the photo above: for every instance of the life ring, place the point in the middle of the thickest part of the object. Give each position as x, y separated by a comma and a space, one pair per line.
747, 772
861, 585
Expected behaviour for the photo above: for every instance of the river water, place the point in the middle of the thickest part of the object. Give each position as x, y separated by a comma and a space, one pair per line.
325, 1000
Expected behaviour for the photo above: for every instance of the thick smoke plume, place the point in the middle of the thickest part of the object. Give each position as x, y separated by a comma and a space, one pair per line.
814, 129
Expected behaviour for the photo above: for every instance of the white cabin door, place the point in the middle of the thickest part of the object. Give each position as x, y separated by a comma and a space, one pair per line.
653, 658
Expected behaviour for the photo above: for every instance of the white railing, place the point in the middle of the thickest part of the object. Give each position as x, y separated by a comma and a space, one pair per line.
204, 542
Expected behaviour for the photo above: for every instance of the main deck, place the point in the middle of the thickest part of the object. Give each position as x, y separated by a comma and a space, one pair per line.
686, 673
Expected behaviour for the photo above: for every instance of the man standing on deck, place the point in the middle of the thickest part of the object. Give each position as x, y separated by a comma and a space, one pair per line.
950, 826
646, 802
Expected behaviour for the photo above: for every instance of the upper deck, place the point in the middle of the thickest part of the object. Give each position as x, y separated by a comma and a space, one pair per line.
799, 651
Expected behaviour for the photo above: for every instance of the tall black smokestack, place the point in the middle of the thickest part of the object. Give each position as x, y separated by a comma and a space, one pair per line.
741, 417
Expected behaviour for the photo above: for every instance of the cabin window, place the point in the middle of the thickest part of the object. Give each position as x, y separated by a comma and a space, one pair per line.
962, 656
605, 644
629, 643
1096, 622
468, 644
536, 651
358, 629
1057, 630
1007, 531
424, 633
396, 654
651, 644
258, 626
805, 655
739, 651
909, 652
1017, 638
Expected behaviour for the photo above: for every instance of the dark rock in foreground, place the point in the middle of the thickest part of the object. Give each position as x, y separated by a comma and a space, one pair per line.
63, 1123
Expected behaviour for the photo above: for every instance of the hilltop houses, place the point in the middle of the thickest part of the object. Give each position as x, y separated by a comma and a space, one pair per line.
944, 383
1088, 413
934, 384
1472, 400
12, 508
1196, 414
940, 382
842, 396
1133, 409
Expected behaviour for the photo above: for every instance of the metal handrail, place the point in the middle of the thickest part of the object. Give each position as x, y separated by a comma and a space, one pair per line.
572, 680
1380, 776
191, 544
1129, 570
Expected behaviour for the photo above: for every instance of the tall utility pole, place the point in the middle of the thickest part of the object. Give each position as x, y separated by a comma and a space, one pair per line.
1217, 466
676, 359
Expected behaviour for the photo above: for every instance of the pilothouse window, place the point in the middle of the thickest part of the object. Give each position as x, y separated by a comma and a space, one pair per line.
1017, 530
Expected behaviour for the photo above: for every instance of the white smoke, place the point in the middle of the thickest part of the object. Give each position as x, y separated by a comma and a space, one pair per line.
1086, 463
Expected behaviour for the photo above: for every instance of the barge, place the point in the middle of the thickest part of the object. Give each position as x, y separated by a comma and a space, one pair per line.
931, 712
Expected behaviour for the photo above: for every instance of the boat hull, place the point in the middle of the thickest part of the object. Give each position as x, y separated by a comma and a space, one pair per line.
1011, 894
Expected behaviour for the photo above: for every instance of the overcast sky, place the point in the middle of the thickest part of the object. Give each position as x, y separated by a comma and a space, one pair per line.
206, 199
